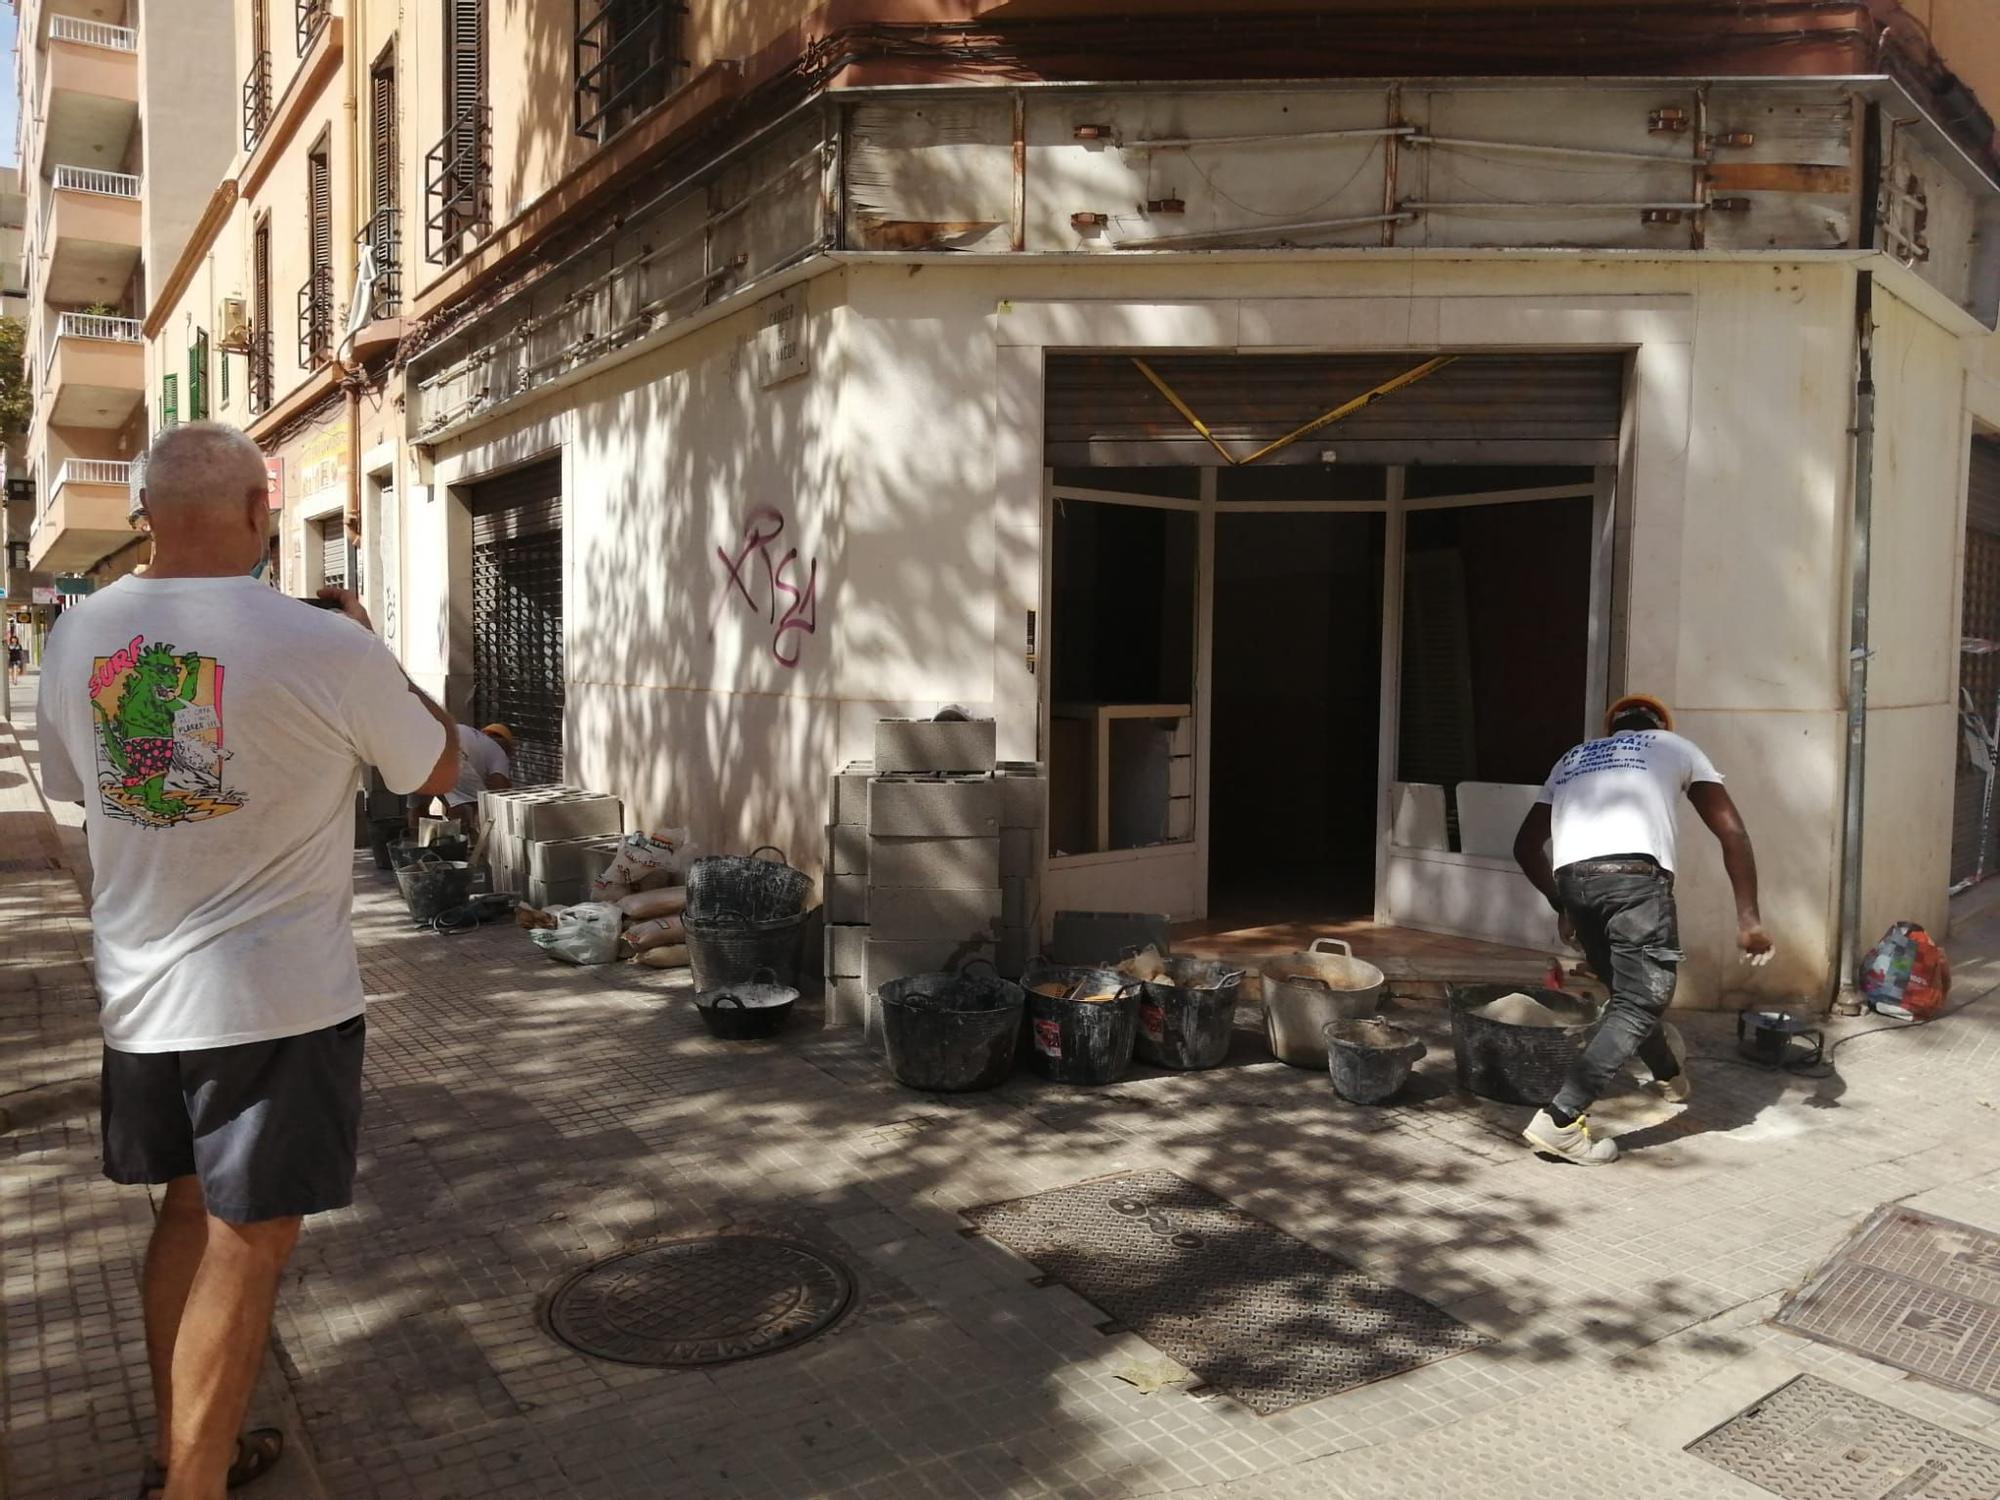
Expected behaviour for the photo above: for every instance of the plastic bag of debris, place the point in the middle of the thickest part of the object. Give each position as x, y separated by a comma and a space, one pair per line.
643, 862
1906, 975
583, 934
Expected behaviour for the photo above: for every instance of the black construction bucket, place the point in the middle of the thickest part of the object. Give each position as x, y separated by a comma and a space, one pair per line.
1516, 1064
1080, 1041
951, 1033
744, 888
1186, 1024
722, 955
1370, 1060
434, 886
452, 846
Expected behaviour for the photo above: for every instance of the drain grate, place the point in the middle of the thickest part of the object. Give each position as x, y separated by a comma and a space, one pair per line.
705, 1301
1814, 1440
1914, 1291
1252, 1311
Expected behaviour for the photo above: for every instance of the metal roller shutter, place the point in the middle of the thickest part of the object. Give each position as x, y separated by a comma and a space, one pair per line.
332, 552
1480, 408
1979, 676
517, 615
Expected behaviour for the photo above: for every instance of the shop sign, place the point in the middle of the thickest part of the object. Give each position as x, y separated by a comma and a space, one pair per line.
42, 595
322, 462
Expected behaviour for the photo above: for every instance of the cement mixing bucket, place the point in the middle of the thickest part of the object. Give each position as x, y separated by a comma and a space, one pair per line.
1304, 991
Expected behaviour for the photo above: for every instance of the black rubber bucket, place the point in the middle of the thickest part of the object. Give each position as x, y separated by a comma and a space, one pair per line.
1511, 1063
725, 954
452, 846
1187, 1024
1370, 1060
951, 1033
431, 887
1080, 1041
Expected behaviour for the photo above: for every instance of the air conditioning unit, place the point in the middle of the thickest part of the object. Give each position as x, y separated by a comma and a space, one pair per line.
235, 320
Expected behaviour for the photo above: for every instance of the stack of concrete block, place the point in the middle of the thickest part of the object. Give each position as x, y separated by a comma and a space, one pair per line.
931, 861
546, 844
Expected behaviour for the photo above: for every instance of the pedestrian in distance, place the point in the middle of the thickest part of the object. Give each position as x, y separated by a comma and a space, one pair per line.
17, 655
214, 731
1599, 844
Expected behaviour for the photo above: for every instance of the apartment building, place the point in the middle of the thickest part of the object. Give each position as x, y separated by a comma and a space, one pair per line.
1292, 424
17, 491
119, 101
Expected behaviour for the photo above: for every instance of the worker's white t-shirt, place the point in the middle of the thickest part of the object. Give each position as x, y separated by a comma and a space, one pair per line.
215, 731
479, 756
1622, 795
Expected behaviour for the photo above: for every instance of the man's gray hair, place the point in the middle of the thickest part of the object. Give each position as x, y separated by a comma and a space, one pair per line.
202, 466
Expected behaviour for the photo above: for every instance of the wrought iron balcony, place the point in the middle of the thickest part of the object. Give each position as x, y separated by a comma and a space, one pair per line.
625, 60
261, 383
316, 318
458, 185
257, 101
312, 16
382, 237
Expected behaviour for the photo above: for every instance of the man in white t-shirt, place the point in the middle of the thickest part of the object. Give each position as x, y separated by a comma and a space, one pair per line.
485, 763
214, 731
1600, 845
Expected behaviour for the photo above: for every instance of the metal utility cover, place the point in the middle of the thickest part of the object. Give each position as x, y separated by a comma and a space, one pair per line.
704, 1301
1252, 1311
1914, 1291
1814, 1440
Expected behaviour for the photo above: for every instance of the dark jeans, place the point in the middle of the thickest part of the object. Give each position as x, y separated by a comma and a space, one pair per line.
1631, 934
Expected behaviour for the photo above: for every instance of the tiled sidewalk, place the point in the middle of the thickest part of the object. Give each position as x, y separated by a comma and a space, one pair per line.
524, 1118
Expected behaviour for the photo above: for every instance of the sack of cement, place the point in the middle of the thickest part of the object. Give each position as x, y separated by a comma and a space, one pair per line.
647, 906
1518, 1009
583, 934
643, 861
660, 933
672, 956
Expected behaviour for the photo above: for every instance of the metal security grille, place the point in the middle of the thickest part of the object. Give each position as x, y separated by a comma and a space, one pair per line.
316, 296
1979, 675
517, 615
260, 327
458, 170
332, 552
624, 61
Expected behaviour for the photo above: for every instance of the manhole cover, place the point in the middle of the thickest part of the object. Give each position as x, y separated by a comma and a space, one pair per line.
703, 1301
1814, 1440
1249, 1309
1914, 1291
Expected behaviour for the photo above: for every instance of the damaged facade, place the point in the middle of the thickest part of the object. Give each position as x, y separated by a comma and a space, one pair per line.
712, 387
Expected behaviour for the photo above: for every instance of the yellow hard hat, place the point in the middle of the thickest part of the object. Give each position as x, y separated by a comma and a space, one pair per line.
499, 732
1645, 701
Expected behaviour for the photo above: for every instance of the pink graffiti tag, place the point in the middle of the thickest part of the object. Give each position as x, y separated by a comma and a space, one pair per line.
801, 616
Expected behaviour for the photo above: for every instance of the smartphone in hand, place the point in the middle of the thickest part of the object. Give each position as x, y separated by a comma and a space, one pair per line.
318, 603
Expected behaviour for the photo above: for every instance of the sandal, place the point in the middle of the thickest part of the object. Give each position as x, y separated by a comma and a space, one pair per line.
257, 1453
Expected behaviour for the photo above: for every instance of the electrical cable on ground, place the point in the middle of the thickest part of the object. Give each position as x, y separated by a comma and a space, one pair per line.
1823, 1067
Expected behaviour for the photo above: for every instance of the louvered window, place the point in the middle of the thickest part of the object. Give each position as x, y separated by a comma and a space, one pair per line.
260, 331
316, 296
170, 402
198, 377
458, 169
382, 234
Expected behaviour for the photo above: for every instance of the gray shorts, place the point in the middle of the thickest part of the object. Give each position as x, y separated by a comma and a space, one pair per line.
269, 1128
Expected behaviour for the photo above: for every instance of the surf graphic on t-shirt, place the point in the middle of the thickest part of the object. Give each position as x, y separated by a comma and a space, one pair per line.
160, 756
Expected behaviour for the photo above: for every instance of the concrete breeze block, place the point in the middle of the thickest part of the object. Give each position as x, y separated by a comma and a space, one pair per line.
847, 1003
573, 818
547, 893
847, 849
850, 793
571, 859
889, 960
1018, 854
847, 899
1024, 801
933, 864
846, 950
903, 745
912, 913
961, 807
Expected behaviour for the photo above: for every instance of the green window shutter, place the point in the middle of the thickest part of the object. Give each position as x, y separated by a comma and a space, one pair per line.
225, 377
198, 377
170, 402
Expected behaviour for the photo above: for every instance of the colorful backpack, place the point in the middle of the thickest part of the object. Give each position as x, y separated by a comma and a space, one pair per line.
1906, 974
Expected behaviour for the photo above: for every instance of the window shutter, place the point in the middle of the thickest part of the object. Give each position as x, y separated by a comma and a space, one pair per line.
383, 134
198, 377
260, 333
225, 377
465, 57
320, 175
170, 402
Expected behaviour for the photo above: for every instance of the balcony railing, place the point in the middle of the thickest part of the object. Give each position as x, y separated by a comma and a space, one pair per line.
312, 16
72, 325
382, 237
93, 33
94, 471
316, 318
92, 180
262, 383
256, 101
458, 185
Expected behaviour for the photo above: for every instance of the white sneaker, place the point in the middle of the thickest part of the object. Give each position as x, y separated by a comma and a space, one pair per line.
1679, 1088
1572, 1142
